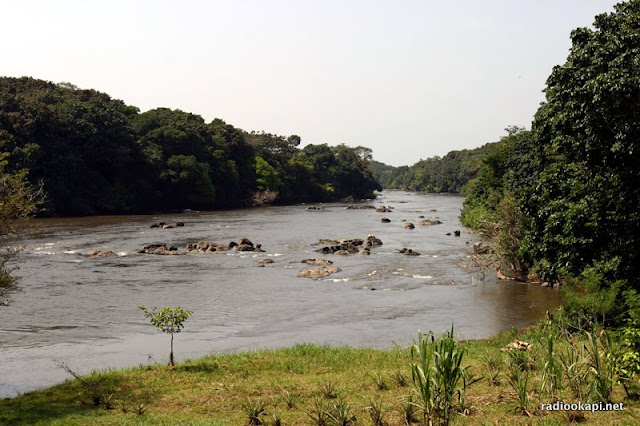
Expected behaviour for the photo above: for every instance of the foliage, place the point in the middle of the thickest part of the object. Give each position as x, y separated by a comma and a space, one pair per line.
167, 320
439, 378
627, 359
94, 155
562, 199
19, 200
447, 174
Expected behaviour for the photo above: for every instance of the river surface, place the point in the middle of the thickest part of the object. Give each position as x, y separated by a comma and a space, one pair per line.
84, 311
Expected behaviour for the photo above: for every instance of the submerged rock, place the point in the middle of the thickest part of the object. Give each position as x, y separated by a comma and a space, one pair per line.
429, 222
372, 241
384, 209
360, 207
317, 262
318, 272
159, 249
408, 251
97, 254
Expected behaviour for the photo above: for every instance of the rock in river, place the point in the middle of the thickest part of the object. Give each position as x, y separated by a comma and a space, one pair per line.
318, 272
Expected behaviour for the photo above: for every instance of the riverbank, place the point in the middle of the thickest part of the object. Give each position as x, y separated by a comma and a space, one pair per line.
294, 382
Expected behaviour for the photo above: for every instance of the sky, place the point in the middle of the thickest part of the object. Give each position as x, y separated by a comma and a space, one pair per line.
409, 79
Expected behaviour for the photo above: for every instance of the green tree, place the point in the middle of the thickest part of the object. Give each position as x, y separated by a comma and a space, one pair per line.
167, 320
19, 200
586, 201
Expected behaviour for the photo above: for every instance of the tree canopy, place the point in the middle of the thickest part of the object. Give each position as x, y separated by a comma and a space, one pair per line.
97, 155
572, 182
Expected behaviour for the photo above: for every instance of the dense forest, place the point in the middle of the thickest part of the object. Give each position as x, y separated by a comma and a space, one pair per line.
92, 154
563, 199
436, 174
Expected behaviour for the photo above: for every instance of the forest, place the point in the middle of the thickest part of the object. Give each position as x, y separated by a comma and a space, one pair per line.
91, 154
562, 200
435, 174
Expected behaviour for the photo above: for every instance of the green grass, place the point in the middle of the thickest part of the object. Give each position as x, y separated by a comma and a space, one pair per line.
292, 384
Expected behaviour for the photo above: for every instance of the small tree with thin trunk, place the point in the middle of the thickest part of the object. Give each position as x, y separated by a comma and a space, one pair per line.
168, 320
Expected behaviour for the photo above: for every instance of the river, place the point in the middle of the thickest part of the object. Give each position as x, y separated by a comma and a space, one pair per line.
84, 311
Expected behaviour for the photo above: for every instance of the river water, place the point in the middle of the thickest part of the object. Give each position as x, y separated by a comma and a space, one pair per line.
84, 311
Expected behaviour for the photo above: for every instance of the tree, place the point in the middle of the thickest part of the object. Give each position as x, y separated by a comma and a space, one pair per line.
18, 201
167, 320
585, 202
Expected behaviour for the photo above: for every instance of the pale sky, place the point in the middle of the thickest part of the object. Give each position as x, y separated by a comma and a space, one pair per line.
409, 79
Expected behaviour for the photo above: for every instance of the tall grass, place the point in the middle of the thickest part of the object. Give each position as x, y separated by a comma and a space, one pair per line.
551, 377
439, 378
600, 366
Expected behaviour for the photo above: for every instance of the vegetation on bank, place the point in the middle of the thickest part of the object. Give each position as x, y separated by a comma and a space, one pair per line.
95, 155
447, 174
563, 199
474, 382
18, 201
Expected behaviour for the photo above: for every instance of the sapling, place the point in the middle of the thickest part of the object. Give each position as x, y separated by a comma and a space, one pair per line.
168, 320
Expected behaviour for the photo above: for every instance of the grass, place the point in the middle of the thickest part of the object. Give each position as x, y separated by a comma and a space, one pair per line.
288, 386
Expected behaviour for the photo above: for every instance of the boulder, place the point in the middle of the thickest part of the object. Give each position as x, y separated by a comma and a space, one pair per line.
408, 225
360, 207
245, 241
481, 248
317, 262
429, 222
159, 249
318, 272
408, 252
373, 241
366, 251
179, 224
385, 220
244, 247
349, 246
205, 247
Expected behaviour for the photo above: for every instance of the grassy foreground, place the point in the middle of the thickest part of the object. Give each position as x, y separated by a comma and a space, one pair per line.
295, 384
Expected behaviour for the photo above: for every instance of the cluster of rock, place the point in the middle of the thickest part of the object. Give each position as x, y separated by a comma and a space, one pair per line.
200, 247
210, 247
360, 207
348, 246
429, 222
315, 208
456, 233
164, 225
384, 209
408, 251
159, 249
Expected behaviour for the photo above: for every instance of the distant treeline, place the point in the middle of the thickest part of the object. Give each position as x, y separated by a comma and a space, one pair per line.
95, 155
447, 174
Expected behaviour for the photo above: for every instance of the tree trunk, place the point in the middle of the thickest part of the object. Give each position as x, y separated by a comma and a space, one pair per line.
171, 365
